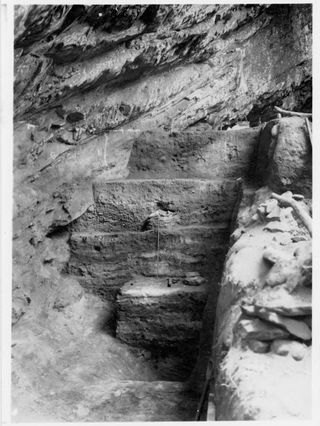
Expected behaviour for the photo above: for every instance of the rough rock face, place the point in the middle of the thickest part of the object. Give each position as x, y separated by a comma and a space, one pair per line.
159, 65
285, 156
165, 317
262, 346
122, 173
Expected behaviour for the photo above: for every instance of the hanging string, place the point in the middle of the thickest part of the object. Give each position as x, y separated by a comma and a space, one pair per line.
158, 244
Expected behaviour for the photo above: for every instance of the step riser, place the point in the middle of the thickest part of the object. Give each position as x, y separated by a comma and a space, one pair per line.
126, 205
105, 262
106, 279
102, 247
164, 320
209, 155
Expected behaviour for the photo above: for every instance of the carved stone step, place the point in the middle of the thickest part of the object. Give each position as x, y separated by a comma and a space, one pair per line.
208, 154
126, 205
152, 314
164, 317
105, 261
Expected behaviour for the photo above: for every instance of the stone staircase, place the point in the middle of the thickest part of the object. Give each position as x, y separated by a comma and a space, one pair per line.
142, 244
155, 228
155, 247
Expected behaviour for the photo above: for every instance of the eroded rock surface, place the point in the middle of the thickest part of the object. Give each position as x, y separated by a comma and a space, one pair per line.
263, 323
160, 65
122, 173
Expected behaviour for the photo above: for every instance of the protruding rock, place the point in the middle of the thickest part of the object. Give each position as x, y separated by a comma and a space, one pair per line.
294, 327
193, 279
297, 303
274, 255
258, 346
259, 330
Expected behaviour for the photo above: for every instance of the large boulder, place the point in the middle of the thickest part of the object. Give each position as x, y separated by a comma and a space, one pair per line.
285, 156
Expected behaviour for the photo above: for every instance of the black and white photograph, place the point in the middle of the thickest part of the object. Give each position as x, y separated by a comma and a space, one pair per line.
160, 217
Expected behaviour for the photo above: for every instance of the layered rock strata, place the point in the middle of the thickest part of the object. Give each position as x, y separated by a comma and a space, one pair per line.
90, 83
159, 65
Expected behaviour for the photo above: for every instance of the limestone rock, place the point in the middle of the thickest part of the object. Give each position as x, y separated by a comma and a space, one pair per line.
185, 54
273, 255
259, 330
294, 271
193, 279
296, 303
285, 162
296, 328
258, 346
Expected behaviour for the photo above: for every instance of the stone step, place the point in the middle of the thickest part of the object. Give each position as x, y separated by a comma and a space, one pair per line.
152, 314
165, 319
103, 262
123, 205
139, 401
207, 154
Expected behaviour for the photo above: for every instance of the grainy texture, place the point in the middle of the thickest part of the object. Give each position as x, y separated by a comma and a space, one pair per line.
120, 119
285, 156
184, 65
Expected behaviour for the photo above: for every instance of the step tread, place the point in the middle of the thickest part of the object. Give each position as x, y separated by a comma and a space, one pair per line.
157, 287
162, 180
176, 230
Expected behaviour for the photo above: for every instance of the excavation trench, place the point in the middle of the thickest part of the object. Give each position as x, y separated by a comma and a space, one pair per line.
153, 248
124, 264
137, 228
123, 292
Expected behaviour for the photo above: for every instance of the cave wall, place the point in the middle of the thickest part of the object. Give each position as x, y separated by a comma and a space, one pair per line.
164, 66
106, 93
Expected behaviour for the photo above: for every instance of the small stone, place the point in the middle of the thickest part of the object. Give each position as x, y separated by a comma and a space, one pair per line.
284, 347
298, 197
289, 307
237, 234
193, 280
259, 347
297, 328
280, 347
259, 330
274, 215
308, 321
255, 217
275, 130
271, 205
261, 211
298, 351
294, 327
